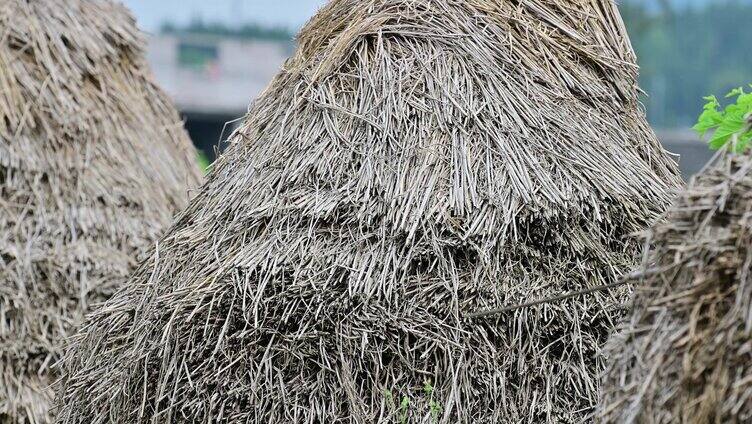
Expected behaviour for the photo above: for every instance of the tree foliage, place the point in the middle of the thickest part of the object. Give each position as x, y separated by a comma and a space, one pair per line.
687, 52
246, 31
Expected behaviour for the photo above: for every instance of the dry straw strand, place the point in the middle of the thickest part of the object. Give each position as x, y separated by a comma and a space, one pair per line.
94, 162
414, 161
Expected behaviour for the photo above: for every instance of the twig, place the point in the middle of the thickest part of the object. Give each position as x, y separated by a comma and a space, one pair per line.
499, 311
622, 281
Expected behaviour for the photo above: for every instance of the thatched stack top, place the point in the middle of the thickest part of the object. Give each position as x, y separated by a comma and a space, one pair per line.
414, 161
93, 163
685, 354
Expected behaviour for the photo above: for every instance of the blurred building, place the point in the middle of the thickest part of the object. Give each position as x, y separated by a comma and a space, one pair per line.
213, 80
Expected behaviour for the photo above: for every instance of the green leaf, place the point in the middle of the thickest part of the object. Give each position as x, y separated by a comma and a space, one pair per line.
708, 120
735, 92
743, 142
733, 122
745, 101
717, 142
710, 117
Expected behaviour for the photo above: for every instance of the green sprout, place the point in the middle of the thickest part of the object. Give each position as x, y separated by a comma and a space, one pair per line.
203, 162
403, 409
436, 408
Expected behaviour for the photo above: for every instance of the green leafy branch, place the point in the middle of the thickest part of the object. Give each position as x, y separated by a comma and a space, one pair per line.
732, 125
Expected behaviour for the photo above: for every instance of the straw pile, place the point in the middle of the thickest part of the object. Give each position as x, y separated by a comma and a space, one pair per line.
685, 355
415, 161
93, 163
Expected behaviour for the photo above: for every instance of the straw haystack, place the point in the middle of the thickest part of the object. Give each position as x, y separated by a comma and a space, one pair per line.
415, 161
685, 355
93, 163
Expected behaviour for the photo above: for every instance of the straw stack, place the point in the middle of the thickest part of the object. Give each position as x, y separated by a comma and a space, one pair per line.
685, 354
415, 161
93, 163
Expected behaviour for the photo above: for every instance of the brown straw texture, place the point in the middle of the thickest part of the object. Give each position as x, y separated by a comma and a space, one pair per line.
94, 162
685, 354
415, 161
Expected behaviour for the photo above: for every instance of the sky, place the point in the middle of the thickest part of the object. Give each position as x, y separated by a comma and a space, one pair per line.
288, 13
